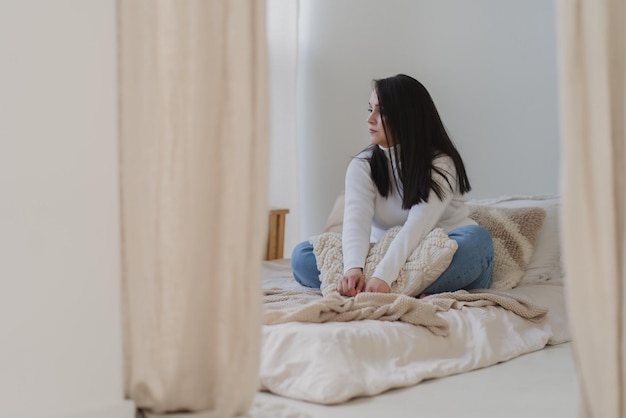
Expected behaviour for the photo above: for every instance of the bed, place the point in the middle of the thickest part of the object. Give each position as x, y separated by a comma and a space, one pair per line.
333, 362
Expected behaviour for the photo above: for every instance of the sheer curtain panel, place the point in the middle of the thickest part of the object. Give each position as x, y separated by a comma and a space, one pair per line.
194, 152
593, 79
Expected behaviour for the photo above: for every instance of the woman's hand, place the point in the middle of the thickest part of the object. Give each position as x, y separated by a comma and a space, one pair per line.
377, 285
351, 283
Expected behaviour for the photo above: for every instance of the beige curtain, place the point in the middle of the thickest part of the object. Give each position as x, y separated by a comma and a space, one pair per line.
194, 139
593, 79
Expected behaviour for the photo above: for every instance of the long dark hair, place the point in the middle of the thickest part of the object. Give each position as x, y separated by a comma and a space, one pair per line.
411, 120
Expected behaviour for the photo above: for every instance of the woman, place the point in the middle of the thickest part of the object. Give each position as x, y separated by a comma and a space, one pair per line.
412, 176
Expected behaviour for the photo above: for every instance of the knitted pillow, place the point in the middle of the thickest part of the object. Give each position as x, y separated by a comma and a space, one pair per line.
514, 232
545, 263
424, 265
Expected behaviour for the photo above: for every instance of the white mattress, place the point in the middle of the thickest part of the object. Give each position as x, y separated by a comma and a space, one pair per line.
331, 363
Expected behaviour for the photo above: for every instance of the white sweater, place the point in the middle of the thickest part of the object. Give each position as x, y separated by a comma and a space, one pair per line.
367, 215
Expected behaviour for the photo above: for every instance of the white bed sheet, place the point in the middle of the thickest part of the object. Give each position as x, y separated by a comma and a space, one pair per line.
331, 363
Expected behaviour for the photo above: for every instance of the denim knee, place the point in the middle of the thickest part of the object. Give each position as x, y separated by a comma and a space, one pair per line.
304, 265
484, 279
471, 264
482, 249
475, 235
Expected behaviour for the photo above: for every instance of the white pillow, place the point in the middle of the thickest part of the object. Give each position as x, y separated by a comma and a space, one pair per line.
334, 223
545, 263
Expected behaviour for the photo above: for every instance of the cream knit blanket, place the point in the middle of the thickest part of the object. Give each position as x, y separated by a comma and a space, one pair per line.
310, 306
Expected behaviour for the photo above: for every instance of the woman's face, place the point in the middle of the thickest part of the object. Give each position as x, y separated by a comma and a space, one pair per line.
375, 123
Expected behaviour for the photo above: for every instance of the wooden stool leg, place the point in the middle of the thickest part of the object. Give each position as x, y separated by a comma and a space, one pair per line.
276, 233
272, 239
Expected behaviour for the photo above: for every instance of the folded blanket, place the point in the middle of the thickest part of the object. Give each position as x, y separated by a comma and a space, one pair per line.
517, 304
309, 306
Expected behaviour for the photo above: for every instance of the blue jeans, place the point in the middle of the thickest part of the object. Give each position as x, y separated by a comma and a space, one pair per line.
470, 267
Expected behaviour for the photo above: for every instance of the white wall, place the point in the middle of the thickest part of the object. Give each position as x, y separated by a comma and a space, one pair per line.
490, 66
59, 211
282, 34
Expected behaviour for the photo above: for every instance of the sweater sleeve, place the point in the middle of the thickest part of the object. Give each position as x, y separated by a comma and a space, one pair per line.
360, 194
422, 218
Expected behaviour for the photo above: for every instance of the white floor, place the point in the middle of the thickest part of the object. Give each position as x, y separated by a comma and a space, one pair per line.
537, 385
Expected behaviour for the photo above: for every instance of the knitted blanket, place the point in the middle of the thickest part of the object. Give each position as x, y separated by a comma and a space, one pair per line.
310, 306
